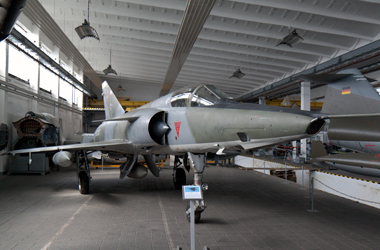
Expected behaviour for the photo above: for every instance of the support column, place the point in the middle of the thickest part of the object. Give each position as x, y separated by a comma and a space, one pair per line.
3, 60
294, 144
4, 55
305, 105
262, 100
305, 96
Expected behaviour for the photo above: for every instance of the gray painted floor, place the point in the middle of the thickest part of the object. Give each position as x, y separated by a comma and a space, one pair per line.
245, 211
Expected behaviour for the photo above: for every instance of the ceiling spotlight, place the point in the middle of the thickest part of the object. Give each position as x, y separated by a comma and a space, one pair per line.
237, 74
109, 69
292, 39
85, 30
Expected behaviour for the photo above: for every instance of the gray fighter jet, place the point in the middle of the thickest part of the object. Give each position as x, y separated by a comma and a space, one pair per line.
188, 123
352, 107
358, 163
353, 123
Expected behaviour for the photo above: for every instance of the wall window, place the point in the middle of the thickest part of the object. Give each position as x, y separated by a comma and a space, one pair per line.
78, 98
23, 67
48, 81
65, 90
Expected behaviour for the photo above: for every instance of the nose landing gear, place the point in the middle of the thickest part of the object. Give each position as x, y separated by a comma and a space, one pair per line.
198, 164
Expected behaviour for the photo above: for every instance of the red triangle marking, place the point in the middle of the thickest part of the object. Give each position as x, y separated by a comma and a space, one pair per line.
177, 127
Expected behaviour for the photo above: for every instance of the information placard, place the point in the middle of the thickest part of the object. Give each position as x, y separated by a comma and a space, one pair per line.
192, 193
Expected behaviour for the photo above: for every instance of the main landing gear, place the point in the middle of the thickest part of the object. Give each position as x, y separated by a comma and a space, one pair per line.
83, 172
179, 175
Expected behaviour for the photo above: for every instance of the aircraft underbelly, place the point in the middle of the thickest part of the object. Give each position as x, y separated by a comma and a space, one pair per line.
357, 170
362, 146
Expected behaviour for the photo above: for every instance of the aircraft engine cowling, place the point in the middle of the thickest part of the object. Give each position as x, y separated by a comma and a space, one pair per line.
149, 129
63, 159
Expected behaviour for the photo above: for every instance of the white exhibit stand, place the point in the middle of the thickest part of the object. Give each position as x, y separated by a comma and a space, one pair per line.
192, 193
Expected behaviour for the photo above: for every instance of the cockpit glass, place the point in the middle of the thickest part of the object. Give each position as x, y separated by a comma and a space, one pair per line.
181, 97
218, 92
207, 95
201, 95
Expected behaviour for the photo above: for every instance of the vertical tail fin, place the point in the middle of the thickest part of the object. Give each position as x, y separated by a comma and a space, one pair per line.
112, 106
351, 95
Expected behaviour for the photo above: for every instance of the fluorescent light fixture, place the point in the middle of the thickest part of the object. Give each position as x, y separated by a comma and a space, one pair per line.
238, 74
109, 69
292, 39
85, 30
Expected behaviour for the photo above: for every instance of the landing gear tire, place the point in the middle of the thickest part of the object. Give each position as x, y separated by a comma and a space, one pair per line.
197, 215
83, 183
179, 178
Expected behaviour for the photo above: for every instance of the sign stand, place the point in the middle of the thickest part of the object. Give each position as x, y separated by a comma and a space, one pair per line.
192, 193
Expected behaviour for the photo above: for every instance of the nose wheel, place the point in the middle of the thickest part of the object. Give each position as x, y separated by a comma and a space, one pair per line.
198, 164
83, 172
197, 213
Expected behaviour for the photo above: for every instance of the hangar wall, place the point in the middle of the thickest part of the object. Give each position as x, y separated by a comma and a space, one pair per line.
15, 104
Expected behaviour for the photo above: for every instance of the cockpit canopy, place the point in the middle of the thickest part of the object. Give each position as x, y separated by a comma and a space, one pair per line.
198, 96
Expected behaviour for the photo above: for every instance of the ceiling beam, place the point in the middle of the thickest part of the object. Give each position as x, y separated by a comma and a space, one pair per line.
195, 16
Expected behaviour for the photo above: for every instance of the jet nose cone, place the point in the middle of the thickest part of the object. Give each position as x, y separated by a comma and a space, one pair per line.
161, 128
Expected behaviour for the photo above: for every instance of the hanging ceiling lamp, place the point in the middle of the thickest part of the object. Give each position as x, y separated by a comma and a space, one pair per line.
120, 88
85, 30
109, 69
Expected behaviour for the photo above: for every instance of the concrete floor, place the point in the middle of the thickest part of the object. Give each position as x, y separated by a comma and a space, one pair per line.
245, 211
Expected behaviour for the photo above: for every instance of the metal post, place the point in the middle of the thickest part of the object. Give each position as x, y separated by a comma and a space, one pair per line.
286, 167
312, 197
102, 161
312, 194
192, 225
286, 173
309, 185
253, 162
264, 167
302, 178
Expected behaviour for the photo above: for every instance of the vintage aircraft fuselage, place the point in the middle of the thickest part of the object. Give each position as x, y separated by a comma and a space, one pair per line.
196, 119
37, 130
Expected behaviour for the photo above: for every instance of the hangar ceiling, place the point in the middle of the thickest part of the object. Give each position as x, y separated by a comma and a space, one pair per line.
239, 34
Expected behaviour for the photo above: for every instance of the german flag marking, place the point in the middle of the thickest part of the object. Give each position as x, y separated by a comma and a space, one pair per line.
346, 91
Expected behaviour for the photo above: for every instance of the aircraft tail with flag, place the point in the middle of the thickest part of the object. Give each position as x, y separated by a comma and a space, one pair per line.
348, 92
353, 94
